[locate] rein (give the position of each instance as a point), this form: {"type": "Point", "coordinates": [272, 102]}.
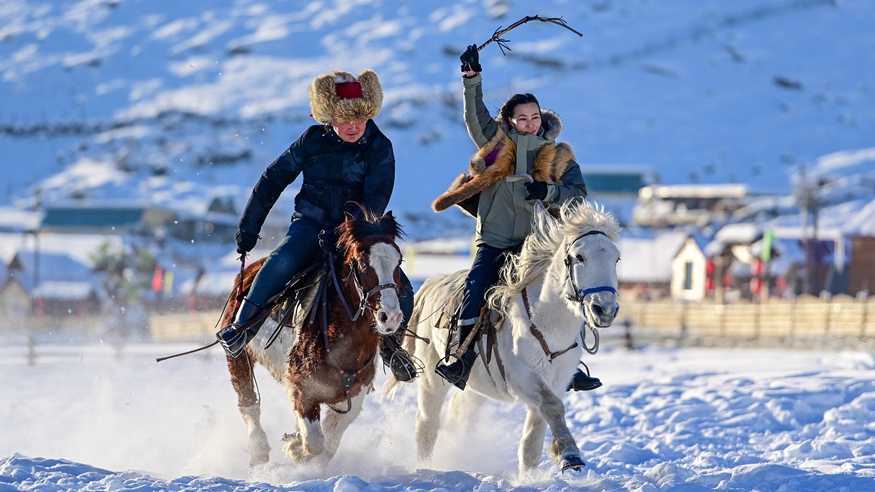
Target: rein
{"type": "Point", "coordinates": [239, 297]}
{"type": "Point", "coordinates": [542, 340]}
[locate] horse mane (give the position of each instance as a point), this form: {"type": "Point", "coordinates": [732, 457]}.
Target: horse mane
{"type": "Point", "coordinates": [354, 235]}
{"type": "Point", "coordinates": [548, 236]}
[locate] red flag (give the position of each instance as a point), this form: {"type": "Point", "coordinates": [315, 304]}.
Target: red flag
{"type": "Point", "coordinates": [158, 279]}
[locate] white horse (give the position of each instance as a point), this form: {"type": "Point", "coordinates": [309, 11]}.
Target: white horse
{"type": "Point", "coordinates": [566, 273]}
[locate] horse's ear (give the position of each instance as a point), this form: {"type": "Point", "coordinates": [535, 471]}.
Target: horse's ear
{"type": "Point", "coordinates": [348, 217]}
{"type": "Point", "coordinates": [388, 215]}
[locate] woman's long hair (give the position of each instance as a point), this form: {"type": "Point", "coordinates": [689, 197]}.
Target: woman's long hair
{"type": "Point", "coordinates": [506, 111]}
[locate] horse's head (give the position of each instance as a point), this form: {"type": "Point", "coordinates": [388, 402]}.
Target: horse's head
{"type": "Point", "coordinates": [591, 258]}
{"type": "Point", "coordinates": [374, 260]}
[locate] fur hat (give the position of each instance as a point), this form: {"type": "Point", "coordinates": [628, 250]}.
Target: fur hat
{"type": "Point", "coordinates": [341, 96]}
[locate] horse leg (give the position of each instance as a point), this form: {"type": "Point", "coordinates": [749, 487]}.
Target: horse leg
{"type": "Point", "coordinates": [532, 441]}
{"type": "Point", "coordinates": [552, 411]}
{"type": "Point", "coordinates": [308, 442]}
{"type": "Point", "coordinates": [432, 393]}
{"type": "Point", "coordinates": [335, 423]}
{"type": "Point", "coordinates": [250, 408]}
{"type": "Point", "coordinates": [463, 410]}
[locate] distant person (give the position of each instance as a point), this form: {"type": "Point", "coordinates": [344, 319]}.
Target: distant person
{"type": "Point", "coordinates": [518, 163]}
{"type": "Point", "coordinates": [345, 160]}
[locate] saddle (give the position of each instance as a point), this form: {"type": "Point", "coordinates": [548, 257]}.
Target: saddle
{"type": "Point", "coordinates": [294, 303]}
{"type": "Point", "coordinates": [485, 331]}
{"type": "Point", "coordinates": [307, 294]}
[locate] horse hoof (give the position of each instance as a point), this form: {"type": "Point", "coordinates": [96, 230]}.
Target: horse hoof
{"type": "Point", "coordinates": [571, 463]}
{"type": "Point", "coordinates": [259, 450]}
{"type": "Point", "coordinates": [259, 456]}
{"type": "Point", "coordinates": [258, 460]}
{"type": "Point", "coordinates": [294, 448]}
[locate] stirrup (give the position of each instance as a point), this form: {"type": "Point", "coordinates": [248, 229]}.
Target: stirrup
{"type": "Point", "coordinates": [459, 380]}
{"type": "Point", "coordinates": [403, 366]}
{"type": "Point", "coordinates": [234, 345]}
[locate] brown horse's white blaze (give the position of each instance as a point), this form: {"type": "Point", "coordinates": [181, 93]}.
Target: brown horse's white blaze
{"type": "Point", "coordinates": [326, 387]}
{"type": "Point", "coordinates": [385, 259]}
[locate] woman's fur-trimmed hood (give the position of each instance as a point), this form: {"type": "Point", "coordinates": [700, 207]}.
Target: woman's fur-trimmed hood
{"type": "Point", "coordinates": [326, 106]}
{"type": "Point", "coordinates": [497, 159]}
{"type": "Point", "coordinates": [552, 125]}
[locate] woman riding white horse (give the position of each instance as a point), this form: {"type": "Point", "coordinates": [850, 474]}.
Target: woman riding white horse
{"type": "Point", "coordinates": [518, 164]}
{"type": "Point", "coordinates": [564, 276]}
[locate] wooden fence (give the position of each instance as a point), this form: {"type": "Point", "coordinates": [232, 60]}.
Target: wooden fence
{"type": "Point", "coordinates": [811, 317]}
{"type": "Point", "coordinates": [181, 327]}
{"type": "Point", "coordinates": [33, 350]}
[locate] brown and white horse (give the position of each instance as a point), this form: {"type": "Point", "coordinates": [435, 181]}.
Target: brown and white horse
{"type": "Point", "coordinates": [338, 376]}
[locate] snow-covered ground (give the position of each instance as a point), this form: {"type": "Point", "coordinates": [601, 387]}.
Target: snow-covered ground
{"type": "Point", "coordinates": [667, 419]}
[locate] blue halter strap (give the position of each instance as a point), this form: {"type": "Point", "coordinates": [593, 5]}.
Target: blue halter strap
{"type": "Point", "coordinates": [593, 290]}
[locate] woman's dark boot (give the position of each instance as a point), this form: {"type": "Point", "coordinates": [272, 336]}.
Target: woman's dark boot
{"type": "Point", "coordinates": [457, 372]}
{"type": "Point", "coordinates": [235, 336]}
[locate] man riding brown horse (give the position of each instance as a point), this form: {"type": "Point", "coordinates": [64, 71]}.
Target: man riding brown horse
{"type": "Point", "coordinates": [343, 159]}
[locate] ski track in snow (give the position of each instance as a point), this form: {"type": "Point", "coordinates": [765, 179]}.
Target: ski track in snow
{"type": "Point", "coordinates": [667, 419]}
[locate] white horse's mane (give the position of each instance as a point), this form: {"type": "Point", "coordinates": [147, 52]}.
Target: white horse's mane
{"type": "Point", "coordinates": [548, 236]}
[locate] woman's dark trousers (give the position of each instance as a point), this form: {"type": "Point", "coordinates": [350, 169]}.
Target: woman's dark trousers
{"type": "Point", "coordinates": [483, 275]}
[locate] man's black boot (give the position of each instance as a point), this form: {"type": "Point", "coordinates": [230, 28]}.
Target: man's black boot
{"type": "Point", "coordinates": [396, 358]}
{"type": "Point", "coordinates": [457, 372]}
{"type": "Point", "coordinates": [235, 336]}
{"type": "Point", "coordinates": [582, 381]}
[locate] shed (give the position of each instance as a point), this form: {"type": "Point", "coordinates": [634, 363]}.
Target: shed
{"type": "Point", "coordinates": [689, 270]}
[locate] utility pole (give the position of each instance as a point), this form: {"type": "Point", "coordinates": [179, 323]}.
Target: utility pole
{"type": "Point", "coordinates": [807, 196]}
{"type": "Point", "coordinates": [36, 248]}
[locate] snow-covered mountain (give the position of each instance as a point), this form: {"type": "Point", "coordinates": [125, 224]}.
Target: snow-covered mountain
{"type": "Point", "coordinates": [178, 101]}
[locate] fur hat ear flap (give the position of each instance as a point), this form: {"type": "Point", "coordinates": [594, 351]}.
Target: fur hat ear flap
{"type": "Point", "coordinates": [326, 105]}
{"type": "Point", "coordinates": [323, 98]}
{"type": "Point", "coordinates": [373, 92]}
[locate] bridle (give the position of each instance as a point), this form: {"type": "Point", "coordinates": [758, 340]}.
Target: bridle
{"type": "Point", "coordinates": [579, 295]}
{"type": "Point", "coordinates": [365, 297]}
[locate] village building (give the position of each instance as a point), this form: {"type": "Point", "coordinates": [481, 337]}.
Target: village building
{"type": "Point", "coordinates": [104, 218]}
{"type": "Point", "coordinates": [616, 187]}
{"type": "Point", "coordinates": [688, 205]}
{"type": "Point", "coordinates": [49, 283]}
{"type": "Point", "coordinates": [645, 268]}
{"type": "Point", "coordinates": [689, 270]}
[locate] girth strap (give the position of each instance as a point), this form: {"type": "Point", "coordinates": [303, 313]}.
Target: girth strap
{"type": "Point", "coordinates": [540, 336]}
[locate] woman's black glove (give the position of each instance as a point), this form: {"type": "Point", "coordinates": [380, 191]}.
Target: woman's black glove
{"type": "Point", "coordinates": [536, 190]}
{"type": "Point", "coordinates": [245, 241]}
{"type": "Point", "coordinates": [471, 59]}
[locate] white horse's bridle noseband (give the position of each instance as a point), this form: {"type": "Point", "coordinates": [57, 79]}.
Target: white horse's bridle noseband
{"type": "Point", "coordinates": [580, 294]}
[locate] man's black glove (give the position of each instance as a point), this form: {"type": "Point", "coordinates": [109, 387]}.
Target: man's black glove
{"type": "Point", "coordinates": [471, 59]}
{"type": "Point", "coordinates": [353, 210]}
{"type": "Point", "coordinates": [245, 241]}
{"type": "Point", "coordinates": [536, 190]}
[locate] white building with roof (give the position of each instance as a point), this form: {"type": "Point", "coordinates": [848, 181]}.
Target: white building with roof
{"type": "Point", "coordinates": [645, 268]}
{"type": "Point", "coordinates": [688, 266]}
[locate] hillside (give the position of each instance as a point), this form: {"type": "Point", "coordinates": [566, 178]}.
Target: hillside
{"type": "Point", "coordinates": [109, 99]}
